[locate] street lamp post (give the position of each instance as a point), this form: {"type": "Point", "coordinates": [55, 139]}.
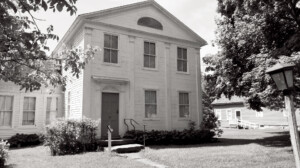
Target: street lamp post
{"type": "Point", "coordinates": [282, 75]}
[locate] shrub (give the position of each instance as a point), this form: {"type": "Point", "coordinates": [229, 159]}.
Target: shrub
{"type": "Point", "coordinates": [174, 137]}
{"type": "Point", "coordinates": [24, 140]}
{"type": "Point", "coordinates": [211, 122]}
{"type": "Point", "coordinates": [4, 146]}
{"type": "Point", "coordinates": [72, 136]}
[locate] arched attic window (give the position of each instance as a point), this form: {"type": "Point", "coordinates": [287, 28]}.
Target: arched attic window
{"type": "Point", "coordinates": [150, 22]}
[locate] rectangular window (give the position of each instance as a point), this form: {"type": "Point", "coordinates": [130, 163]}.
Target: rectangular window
{"type": "Point", "coordinates": [149, 55]}
{"type": "Point", "coordinates": [6, 109]}
{"type": "Point", "coordinates": [182, 59]}
{"type": "Point", "coordinates": [110, 48]}
{"type": "Point", "coordinates": [218, 114]}
{"type": "Point", "coordinates": [259, 114]}
{"type": "Point", "coordinates": [29, 111]}
{"type": "Point", "coordinates": [51, 109]}
{"type": "Point", "coordinates": [229, 114]}
{"type": "Point", "coordinates": [184, 109]}
{"type": "Point", "coordinates": [150, 103]}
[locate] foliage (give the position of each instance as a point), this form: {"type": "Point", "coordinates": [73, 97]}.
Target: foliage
{"type": "Point", "coordinates": [4, 146]}
{"type": "Point", "coordinates": [72, 136]}
{"type": "Point", "coordinates": [210, 120]}
{"type": "Point", "coordinates": [174, 137]}
{"type": "Point", "coordinates": [23, 59]}
{"type": "Point", "coordinates": [253, 35]}
{"type": "Point", "coordinates": [24, 140]}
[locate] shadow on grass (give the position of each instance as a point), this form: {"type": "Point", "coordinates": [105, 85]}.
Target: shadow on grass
{"type": "Point", "coordinates": [272, 139]}
{"type": "Point", "coordinates": [10, 166]}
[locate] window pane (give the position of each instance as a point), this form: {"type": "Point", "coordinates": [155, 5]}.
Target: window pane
{"type": "Point", "coordinates": [150, 111]}
{"type": "Point", "coordinates": [2, 103]}
{"type": "Point", "coordinates": [184, 66]}
{"type": "Point", "coordinates": [184, 53]}
{"type": "Point", "coordinates": [106, 55]}
{"type": "Point", "coordinates": [49, 99]}
{"type": "Point", "coordinates": [31, 103]}
{"type": "Point", "coordinates": [183, 111]}
{"type": "Point", "coordinates": [183, 98]}
{"type": "Point", "coordinates": [7, 118]}
{"type": "Point", "coordinates": [152, 62]}
{"type": "Point", "coordinates": [146, 61]}
{"type": "Point", "coordinates": [8, 103]}
{"type": "Point", "coordinates": [107, 41]}
{"type": "Point", "coordinates": [152, 48]}
{"type": "Point", "coordinates": [26, 103]}
{"type": "Point", "coordinates": [146, 47]}
{"type": "Point", "coordinates": [150, 97]}
{"type": "Point", "coordinates": [114, 42]}
{"type": "Point", "coordinates": [114, 56]}
{"type": "Point", "coordinates": [179, 53]}
{"type": "Point", "coordinates": [179, 65]}
{"type": "Point", "coordinates": [28, 118]}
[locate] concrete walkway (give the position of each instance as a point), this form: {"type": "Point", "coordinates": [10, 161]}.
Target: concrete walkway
{"type": "Point", "coordinates": [138, 157]}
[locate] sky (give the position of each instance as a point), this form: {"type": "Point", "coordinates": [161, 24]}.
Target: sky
{"type": "Point", "coordinates": [199, 15]}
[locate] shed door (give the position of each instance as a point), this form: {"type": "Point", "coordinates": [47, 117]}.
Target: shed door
{"type": "Point", "coordinates": [110, 114]}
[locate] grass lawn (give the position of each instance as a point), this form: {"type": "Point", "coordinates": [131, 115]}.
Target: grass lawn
{"type": "Point", "coordinates": [39, 157]}
{"type": "Point", "coordinates": [237, 148]}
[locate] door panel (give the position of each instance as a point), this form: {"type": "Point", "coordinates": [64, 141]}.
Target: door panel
{"type": "Point", "coordinates": [110, 114]}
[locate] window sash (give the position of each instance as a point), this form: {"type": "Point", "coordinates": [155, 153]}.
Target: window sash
{"type": "Point", "coordinates": [150, 104]}
{"type": "Point", "coordinates": [29, 111]}
{"type": "Point", "coordinates": [184, 110]}
{"type": "Point", "coordinates": [182, 59]}
{"type": "Point", "coordinates": [110, 48]}
{"type": "Point", "coordinates": [149, 54]}
{"type": "Point", "coordinates": [6, 110]}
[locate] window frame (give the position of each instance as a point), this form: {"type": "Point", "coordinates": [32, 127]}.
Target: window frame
{"type": "Point", "coordinates": [110, 49]}
{"type": "Point", "coordinates": [34, 111]}
{"type": "Point", "coordinates": [182, 60]}
{"type": "Point", "coordinates": [229, 111]}
{"type": "Point", "coordinates": [11, 111]}
{"type": "Point", "coordinates": [218, 113]}
{"type": "Point", "coordinates": [53, 99]}
{"type": "Point", "coordinates": [150, 55]}
{"type": "Point", "coordinates": [180, 105]}
{"type": "Point", "coordinates": [259, 114]}
{"type": "Point", "coordinates": [151, 104]}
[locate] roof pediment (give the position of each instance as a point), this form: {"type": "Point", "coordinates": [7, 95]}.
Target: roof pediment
{"type": "Point", "coordinates": [129, 16]}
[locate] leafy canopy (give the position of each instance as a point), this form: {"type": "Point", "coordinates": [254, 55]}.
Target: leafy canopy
{"type": "Point", "coordinates": [254, 35]}
{"type": "Point", "coordinates": [23, 59]}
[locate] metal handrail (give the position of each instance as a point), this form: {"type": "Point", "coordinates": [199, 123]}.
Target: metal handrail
{"type": "Point", "coordinates": [132, 120]}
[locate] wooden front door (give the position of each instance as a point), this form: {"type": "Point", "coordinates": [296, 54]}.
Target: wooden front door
{"type": "Point", "coordinates": [110, 114]}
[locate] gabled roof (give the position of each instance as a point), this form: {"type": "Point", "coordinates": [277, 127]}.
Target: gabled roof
{"type": "Point", "coordinates": [223, 100]}
{"type": "Point", "coordinates": [83, 17]}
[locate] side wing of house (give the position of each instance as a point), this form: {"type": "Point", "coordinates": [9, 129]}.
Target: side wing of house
{"type": "Point", "coordinates": [27, 112]}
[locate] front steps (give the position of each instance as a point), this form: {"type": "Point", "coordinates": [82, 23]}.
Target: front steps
{"type": "Point", "coordinates": [121, 145]}
{"type": "Point", "coordinates": [129, 148]}
{"type": "Point", "coordinates": [115, 142]}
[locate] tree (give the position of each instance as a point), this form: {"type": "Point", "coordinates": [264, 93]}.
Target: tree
{"type": "Point", "coordinates": [254, 35]}
{"type": "Point", "coordinates": [23, 59]}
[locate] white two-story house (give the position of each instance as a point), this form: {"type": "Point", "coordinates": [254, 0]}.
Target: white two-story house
{"type": "Point", "coordinates": [148, 69]}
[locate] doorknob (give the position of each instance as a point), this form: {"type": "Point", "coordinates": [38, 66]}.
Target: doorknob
{"type": "Point", "coordinates": [117, 111]}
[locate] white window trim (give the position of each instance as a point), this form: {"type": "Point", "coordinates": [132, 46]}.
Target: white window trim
{"type": "Point", "coordinates": [118, 50]}
{"type": "Point", "coordinates": [156, 118]}
{"type": "Point", "coordinates": [22, 111]}
{"type": "Point", "coordinates": [156, 57]}
{"type": "Point", "coordinates": [259, 114]}
{"type": "Point", "coordinates": [240, 113]}
{"type": "Point", "coordinates": [12, 115]}
{"type": "Point", "coordinates": [227, 114]}
{"type": "Point", "coordinates": [189, 96]}
{"type": "Point", "coordinates": [218, 113]}
{"type": "Point", "coordinates": [187, 61]}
